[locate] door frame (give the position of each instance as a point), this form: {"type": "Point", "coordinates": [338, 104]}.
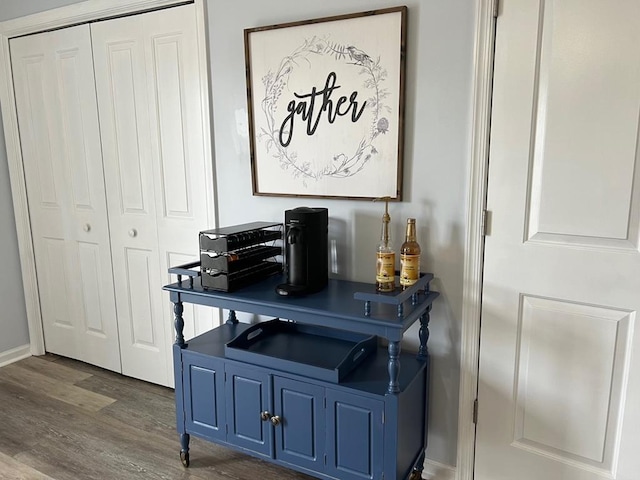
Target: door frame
{"type": "Point", "coordinates": [487, 12]}
{"type": "Point", "coordinates": [83, 12]}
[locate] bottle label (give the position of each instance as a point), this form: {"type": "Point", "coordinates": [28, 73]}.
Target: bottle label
{"type": "Point", "coordinates": [385, 268]}
{"type": "Point", "coordinates": [409, 269]}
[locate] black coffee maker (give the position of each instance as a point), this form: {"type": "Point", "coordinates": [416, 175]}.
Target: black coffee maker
{"type": "Point", "coordinates": [305, 254]}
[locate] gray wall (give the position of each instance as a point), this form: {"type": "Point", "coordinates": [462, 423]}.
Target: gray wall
{"type": "Point", "coordinates": [13, 319]}
{"type": "Point", "coordinates": [437, 137]}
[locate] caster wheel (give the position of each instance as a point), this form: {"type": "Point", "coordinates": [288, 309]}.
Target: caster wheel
{"type": "Point", "coordinates": [415, 475]}
{"type": "Point", "coordinates": [184, 458]}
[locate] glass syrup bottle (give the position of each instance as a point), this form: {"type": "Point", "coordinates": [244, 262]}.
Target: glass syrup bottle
{"type": "Point", "coordinates": [385, 256]}
{"type": "Point", "coordinates": [409, 257]}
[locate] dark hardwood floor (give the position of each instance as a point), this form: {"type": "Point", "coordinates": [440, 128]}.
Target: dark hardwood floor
{"type": "Point", "coordinates": [66, 420]}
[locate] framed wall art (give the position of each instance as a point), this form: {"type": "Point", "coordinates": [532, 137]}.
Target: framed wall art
{"type": "Point", "coordinates": [326, 106]}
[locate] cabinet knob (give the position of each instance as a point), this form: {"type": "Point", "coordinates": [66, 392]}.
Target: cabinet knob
{"type": "Point", "coordinates": [275, 420]}
{"type": "Point", "coordinates": [133, 233]}
{"type": "Point", "coordinates": [265, 416]}
{"type": "Point", "coordinates": [86, 227]}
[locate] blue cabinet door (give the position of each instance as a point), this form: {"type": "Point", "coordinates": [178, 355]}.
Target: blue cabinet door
{"type": "Point", "coordinates": [300, 431]}
{"type": "Point", "coordinates": [247, 397]}
{"type": "Point", "coordinates": [203, 380]}
{"type": "Point", "coordinates": [355, 434]}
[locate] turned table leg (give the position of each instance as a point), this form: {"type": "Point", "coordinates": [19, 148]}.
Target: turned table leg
{"type": "Point", "coordinates": [394, 367]}
{"type": "Point", "coordinates": [179, 323]}
{"type": "Point", "coordinates": [232, 319]}
{"type": "Point", "coordinates": [416, 474]}
{"type": "Point", "coordinates": [184, 449]}
{"type": "Point", "coordinates": [423, 351]}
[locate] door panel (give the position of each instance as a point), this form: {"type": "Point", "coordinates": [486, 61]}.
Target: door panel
{"type": "Point", "coordinates": [150, 98]}
{"type": "Point", "coordinates": [175, 181]}
{"type": "Point", "coordinates": [578, 122]}
{"type": "Point", "coordinates": [33, 96]}
{"type": "Point", "coordinates": [140, 298]}
{"type": "Point", "coordinates": [127, 106]}
{"type": "Point", "coordinates": [54, 281]}
{"type": "Point", "coordinates": [77, 154]}
{"type": "Point", "coordinates": [354, 436]}
{"type": "Point", "coordinates": [57, 115]}
{"type": "Point", "coordinates": [558, 376]}
{"type": "Point", "coordinates": [205, 412]}
{"type": "Point", "coordinates": [90, 275]}
{"type": "Point", "coordinates": [301, 434]}
{"type": "Point", "coordinates": [591, 343]}
{"type": "Point", "coordinates": [181, 182]}
{"type": "Point", "coordinates": [118, 48]}
{"type": "Point", "coordinates": [181, 179]}
{"type": "Point", "coordinates": [247, 396]}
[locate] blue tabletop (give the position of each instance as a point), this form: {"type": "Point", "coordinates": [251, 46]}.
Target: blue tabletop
{"type": "Point", "coordinates": [334, 306]}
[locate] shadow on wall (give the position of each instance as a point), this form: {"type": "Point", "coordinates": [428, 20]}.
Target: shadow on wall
{"type": "Point", "coordinates": [443, 255]}
{"type": "Point", "coordinates": [445, 340]}
{"type": "Point", "coordinates": [339, 249]}
{"type": "Point", "coordinates": [13, 322]}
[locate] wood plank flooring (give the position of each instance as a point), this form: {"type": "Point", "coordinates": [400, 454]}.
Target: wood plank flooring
{"type": "Point", "coordinates": [66, 420]}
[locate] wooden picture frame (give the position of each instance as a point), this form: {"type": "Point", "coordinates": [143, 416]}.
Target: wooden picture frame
{"type": "Point", "coordinates": [326, 106]}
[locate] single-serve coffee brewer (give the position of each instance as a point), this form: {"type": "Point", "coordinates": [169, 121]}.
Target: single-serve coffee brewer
{"type": "Point", "coordinates": [305, 251]}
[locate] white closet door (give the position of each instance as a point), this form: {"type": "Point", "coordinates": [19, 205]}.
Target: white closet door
{"type": "Point", "coordinates": [57, 114]}
{"type": "Point", "coordinates": [183, 179]}
{"type": "Point", "coordinates": [149, 96]}
{"type": "Point", "coordinates": [559, 383]}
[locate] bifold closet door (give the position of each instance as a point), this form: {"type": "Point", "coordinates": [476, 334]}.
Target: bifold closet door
{"type": "Point", "coordinates": [60, 140]}
{"type": "Point", "coordinates": [150, 102]}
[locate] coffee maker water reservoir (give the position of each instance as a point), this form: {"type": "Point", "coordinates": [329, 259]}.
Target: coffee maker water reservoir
{"type": "Point", "coordinates": [306, 256]}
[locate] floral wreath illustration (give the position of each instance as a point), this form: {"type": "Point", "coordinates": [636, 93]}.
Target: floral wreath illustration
{"type": "Point", "coordinates": [343, 165]}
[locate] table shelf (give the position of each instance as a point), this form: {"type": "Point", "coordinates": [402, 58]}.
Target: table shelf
{"type": "Point", "coordinates": [323, 371]}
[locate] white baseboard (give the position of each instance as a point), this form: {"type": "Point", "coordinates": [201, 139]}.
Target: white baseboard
{"type": "Point", "coordinates": [438, 471]}
{"type": "Point", "coordinates": [14, 355]}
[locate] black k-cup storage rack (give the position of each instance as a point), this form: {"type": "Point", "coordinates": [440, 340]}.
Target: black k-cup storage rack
{"type": "Point", "coordinates": [232, 257]}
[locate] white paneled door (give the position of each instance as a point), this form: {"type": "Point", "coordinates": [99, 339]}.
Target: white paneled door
{"type": "Point", "coordinates": [60, 140]}
{"type": "Point", "coordinates": [150, 100]}
{"type": "Point", "coordinates": [113, 128]}
{"type": "Point", "coordinates": [560, 348]}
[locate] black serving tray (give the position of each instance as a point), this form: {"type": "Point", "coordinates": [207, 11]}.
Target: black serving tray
{"type": "Point", "coordinates": [318, 352]}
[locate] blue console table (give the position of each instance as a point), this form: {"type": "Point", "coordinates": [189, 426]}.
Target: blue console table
{"type": "Point", "coordinates": [371, 424]}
